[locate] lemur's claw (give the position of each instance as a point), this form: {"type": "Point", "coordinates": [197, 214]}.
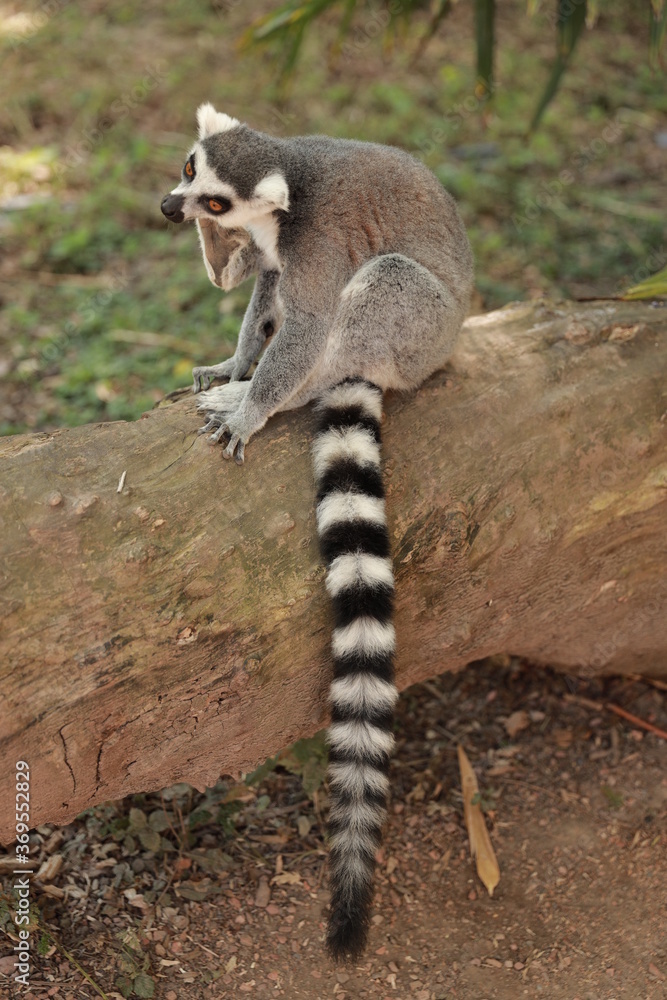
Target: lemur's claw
{"type": "Point", "coordinates": [201, 381]}
{"type": "Point", "coordinates": [221, 431]}
{"type": "Point", "coordinates": [234, 442]}
{"type": "Point", "coordinates": [212, 422]}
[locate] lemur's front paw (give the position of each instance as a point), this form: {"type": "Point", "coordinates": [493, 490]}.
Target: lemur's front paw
{"type": "Point", "coordinates": [205, 374]}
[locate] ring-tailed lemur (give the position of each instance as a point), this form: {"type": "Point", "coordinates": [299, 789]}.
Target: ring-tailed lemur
{"type": "Point", "coordinates": [364, 274]}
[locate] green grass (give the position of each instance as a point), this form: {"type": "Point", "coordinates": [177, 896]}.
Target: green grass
{"type": "Point", "coordinates": [106, 308]}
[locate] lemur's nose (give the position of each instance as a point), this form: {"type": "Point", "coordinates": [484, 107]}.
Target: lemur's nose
{"type": "Point", "coordinates": [172, 207]}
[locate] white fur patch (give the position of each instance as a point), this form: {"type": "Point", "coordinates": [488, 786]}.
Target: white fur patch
{"type": "Point", "coordinates": [354, 443]}
{"type": "Point", "coordinates": [357, 779]}
{"type": "Point", "coordinates": [355, 394]}
{"type": "Point", "coordinates": [223, 398]}
{"type": "Point", "coordinates": [360, 738]}
{"type": "Point", "coordinates": [346, 506]}
{"type": "Point", "coordinates": [272, 191]}
{"type": "Point", "coordinates": [364, 636]}
{"type": "Point", "coordinates": [211, 121]}
{"type": "Point", "coordinates": [355, 568]}
{"type": "Point", "coordinates": [358, 815]}
{"type": "Point", "coordinates": [364, 692]}
{"type": "Point", "coordinates": [264, 232]}
{"type": "Point", "coordinates": [353, 846]}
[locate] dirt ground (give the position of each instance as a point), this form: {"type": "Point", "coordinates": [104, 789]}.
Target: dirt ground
{"type": "Point", "coordinates": [576, 801]}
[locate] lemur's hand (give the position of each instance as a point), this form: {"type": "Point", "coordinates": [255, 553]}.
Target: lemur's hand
{"type": "Point", "coordinates": [204, 375]}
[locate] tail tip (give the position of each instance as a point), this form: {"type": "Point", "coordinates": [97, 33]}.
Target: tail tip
{"type": "Point", "coordinates": [346, 939]}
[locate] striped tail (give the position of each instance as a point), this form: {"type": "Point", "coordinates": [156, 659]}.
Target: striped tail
{"type": "Point", "coordinates": [354, 540]}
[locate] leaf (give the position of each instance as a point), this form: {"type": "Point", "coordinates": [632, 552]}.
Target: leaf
{"type": "Point", "coordinates": [478, 835]}
{"type": "Point", "coordinates": [653, 288]}
{"type": "Point", "coordinates": [286, 878]}
{"type": "Point", "coordinates": [150, 839]}
{"type": "Point", "coordinates": [571, 20]}
{"type": "Point", "coordinates": [658, 32]}
{"type": "Point", "coordinates": [516, 722]}
{"type": "Point", "coordinates": [137, 819]}
{"type": "Point", "coordinates": [143, 985]}
{"type": "Point", "coordinates": [485, 17]}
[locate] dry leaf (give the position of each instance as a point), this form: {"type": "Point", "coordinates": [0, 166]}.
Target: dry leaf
{"type": "Point", "coordinates": [480, 842]}
{"type": "Point", "coordinates": [286, 878]}
{"type": "Point", "coordinates": [516, 722]}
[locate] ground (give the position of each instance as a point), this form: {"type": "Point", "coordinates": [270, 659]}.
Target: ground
{"type": "Point", "coordinates": [226, 895]}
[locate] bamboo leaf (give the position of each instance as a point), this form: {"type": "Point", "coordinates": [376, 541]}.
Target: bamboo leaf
{"type": "Point", "coordinates": [485, 16]}
{"type": "Point", "coordinates": [657, 32]}
{"type": "Point", "coordinates": [480, 842]}
{"type": "Point", "coordinates": [443, 8]}
{"type": "Point", "coordinates": [653, 288]}
{"type": "Point", "coordinates": [571, 20]}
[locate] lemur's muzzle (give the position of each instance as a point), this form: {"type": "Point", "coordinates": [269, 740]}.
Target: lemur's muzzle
{"type": "Point", "coordinates": [172, 207]}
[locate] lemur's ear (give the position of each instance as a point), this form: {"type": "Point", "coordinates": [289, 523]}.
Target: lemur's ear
{"type": "Point", "coordinates": [230, 255]}
{"type": "Point", "coordinates": [210, 121]}
{"type": "Point", "coordinates": [272, 192]}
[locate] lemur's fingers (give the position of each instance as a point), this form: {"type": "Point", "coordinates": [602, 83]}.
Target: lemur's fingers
{"type": "Point", "coordinates": [212, 422]}
{"type": "Point", "coordinates": [221, 431]}
{"type": "Point", "coordinates": [234, 443]}
{"type": "Point", "coordinates": [201, 379]}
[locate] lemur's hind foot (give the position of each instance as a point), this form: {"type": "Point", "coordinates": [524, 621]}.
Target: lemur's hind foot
{"type": "Point", "coordinates": [221, 406]}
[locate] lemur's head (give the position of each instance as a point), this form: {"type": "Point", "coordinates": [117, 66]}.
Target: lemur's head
{"type": "Point", "coordinates": [232, 175]}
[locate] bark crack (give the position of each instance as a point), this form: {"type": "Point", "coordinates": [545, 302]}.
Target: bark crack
{"type": "Point", "coordinates": [69, 766]}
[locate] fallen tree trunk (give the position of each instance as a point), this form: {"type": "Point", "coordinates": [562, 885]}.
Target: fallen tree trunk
{"type": "Point", "coordinates": [179, 629]}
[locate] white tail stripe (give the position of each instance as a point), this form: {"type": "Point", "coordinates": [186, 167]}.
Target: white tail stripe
{"type": "Point", "coordinates": [364, 636]}
{"type": "Point", "coordinates": [354, 443]}
{"type": "Point", "coordinates": [358, 815]}
{"type": "Point", "coordinates": [364, 692]}
{"type": "Point", "coordinates": [360, 738]}
{"type": "Point", "coordinates": [351, 842]}
{"type": "Point", "coordinates": [355, 394]}
{"type": "Point", "coordinates": [342, 505]}
{"type": "Point", "coordinates": [358, 568]}
{"type": "Point", "coordinates": [357, 779]}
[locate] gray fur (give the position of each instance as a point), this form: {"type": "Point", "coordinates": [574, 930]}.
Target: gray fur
{"type": "Point", "coordinates": [370, 275]}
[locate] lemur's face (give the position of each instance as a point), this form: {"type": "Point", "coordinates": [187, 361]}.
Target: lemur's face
{"type": "Point", "coordinates": [206, 190]}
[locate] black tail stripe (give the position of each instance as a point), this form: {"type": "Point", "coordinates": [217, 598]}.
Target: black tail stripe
{"type": "Point", "coordinates": [373, 602]}
{"type": "Point", "coordinates": [346, 799]}
{"type": "Point", "coordinates": [379, 760]}
{"type": "Point", "coordinates": [346, 474]}
{"type": "Point", "coordinates": [378, 664]}
{"type": "Point", "coordinates": [354, 536]}
{"type": "Point", "coordinates": [380, 718]}
{"type": "Point", "coordinates": [349, 416]}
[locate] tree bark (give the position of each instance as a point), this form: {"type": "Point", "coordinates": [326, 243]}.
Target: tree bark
{"type": "Point", "coordinates": [179, 629]}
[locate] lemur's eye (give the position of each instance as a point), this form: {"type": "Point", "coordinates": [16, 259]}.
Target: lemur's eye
{"type": "Point", "coordinates": [214, 205]}
{"type": "Point", "coordinates": [188, 169]}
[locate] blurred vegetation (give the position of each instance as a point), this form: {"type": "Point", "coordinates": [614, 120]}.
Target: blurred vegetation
{"type": "Point", "coordinates": [287, 25]}
{"type": "Point", "coordinates": [106, 307]}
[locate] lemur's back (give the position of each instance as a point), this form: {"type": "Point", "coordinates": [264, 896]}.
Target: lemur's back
{"type": "Point", "coordinates": [370, 200]}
